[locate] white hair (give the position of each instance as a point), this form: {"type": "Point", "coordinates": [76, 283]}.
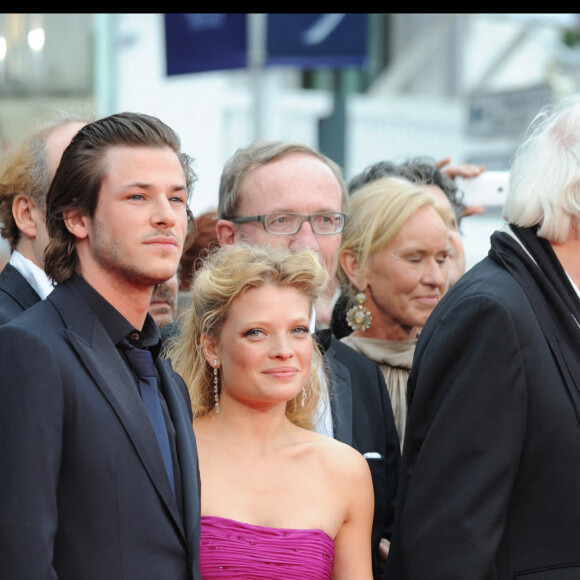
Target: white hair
{"type": "Point", "coordinates": [545, 175]}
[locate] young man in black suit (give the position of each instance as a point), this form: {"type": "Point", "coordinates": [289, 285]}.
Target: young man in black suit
{"type": "Point", "coordinates": [99, 475]}
{"type": "Point", "coordinates": [491, 459]}
{"type": "Point", "coordinates": [25, 175]}
{"type": "Point", "coordinates": [286, 193]}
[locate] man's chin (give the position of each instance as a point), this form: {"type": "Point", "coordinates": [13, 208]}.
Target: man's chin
{"type": "Point", "coordinates": [162, 318]}
{"type": "Point", "coordinates": [163, 322]}
{"type": "Point", "coordinates": [161, 309]}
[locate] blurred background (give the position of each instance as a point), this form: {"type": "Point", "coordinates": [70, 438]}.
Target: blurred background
{"type": "Point", "coordinates": [359, 87]}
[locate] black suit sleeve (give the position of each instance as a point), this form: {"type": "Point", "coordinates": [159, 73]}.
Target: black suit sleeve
{"type": "Point", "coordinates": [30, 446]}
{"type": "Point", "coordinates": [465, 433]}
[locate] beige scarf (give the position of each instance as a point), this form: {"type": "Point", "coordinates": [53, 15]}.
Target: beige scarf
{"type": "Point", "coordinates": [394, 357]}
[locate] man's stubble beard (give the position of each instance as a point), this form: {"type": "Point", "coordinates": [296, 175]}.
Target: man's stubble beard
{"type": "Point", "coordinates": [110, 258]}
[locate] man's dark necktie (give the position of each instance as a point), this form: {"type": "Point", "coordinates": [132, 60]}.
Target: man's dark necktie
{"type": "Point", "coordinates": [142, 362]}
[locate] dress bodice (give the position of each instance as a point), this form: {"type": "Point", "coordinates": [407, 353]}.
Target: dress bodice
{"type": "Point", "coordinates": [234, 550]}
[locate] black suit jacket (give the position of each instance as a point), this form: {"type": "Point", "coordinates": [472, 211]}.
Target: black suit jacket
{"type": "Point", "coordinates": [84, 493]}
{"type": "Point", "coordinates": [363, 418]}
{"type": "Point", "coordinates": [16, 294]}
{"type": "Point", "coordinates": [490, 476]}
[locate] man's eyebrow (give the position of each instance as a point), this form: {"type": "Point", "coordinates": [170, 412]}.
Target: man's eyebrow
{"type": "Point", "coordinates": [145, 185]}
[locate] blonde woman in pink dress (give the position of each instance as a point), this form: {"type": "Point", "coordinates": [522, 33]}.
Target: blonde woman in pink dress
{"type": "Point", "coordinates": [278, 500]}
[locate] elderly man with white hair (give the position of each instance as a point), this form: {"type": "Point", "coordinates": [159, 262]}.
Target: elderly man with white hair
{"type": "Point", "coordinates": [491, 462]}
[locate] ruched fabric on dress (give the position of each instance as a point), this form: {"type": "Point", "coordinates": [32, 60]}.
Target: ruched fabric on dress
{"type": "Point", "coordinates": [235, 550]}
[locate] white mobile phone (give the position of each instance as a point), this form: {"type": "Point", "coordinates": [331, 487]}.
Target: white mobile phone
{"type": "Point", "coordinates": [489, 189]}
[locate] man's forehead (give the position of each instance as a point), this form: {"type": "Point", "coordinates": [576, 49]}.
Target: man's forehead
{"type": "Point", "coordinates": [123, 156]}
{"type": "Point", "coordinates": [289, 183]}
{"type": "Point", "coordinates": [120, 150]}
{"type": "Point", "coordinates": [287, 165]}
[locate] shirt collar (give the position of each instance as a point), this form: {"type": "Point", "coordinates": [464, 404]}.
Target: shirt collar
{"type": "Point", "coordinates": [506, 228]}
{"type": "Point", "coordinates": [34, 275]}
{"type": "Point", "coordinates": [116, 325]}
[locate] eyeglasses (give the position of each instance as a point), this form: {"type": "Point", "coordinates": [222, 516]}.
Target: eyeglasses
{"type": "Point", "coordinates": [287, 224]}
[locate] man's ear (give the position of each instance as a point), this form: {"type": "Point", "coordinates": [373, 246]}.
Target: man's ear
{"type": "Point", "coordinates": [350, 266]}
{"type": "Point", "coordinates": [77, 223]}
{"type": "Point", "coordinates": [226, 232]}
{"type": "Point", "coordinates": [22, 210]}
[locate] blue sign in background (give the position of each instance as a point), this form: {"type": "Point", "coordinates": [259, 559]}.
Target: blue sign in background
{"type": "Point", "coordinates": [313, 40]}
{"type": "Point", "coordinates": [205, 42]}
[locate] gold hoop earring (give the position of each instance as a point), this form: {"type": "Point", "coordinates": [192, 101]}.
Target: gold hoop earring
{"type": "Point", "coordinates": [358, 317]}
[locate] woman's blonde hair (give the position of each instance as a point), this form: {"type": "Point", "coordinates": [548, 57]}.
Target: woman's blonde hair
{"type": "Point", "coordinates": [376, 214]}
{"type": "Point", "coordinates": [224, 275]}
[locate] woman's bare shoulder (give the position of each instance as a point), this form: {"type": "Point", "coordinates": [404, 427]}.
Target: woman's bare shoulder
{"type": "Point", "coordinates": [339, 458]}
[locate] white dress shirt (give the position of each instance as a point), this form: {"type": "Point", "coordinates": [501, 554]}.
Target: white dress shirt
{"type": "Point", "coordinates": [34, 275]}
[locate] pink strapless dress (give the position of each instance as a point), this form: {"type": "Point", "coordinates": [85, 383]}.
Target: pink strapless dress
{"type": "Point", "coordinates": [231, 549]}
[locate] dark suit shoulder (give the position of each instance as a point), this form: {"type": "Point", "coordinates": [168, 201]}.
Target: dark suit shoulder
{"type": "Point", "coordinates": [486, 285]}
{"type": "Point", "coordinates": [351, 358]}
{"type": "Point", "coordinates": [40, 313]}
{"type": "Point", "coordinates": [16, 294]}
{"type": "Point", "coordinates": [9, 308]}
{"type": "Point", "coordinates": [486, 277]}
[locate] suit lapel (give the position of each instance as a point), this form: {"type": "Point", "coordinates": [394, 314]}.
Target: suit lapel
{"type": "Point", "coordinates": [105, 366]}
{"type": "Point", "coordinates": [340, 397]}
{"type": "Point", "coordinates": [186, 455]}
{"type": "Point", "coordinates": [567, 358]}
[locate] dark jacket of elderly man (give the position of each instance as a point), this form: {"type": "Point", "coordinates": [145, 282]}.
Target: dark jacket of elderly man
{"type": "Point", "coordinates": [490, 477]}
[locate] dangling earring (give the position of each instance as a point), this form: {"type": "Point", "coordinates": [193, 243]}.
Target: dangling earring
{"type": "Point", "coordinates": [304, 395]}
{"type": "Point", "coordinates": [215, 386]}
{"type": "Point", "coordinates": [358, 317]}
